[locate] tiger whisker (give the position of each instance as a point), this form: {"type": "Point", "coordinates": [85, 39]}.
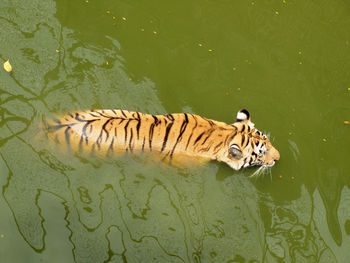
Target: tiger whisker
{"type": "Point", "coordinates": [262, 171]}
{"type": "Point", "coordinates": [257, 172]}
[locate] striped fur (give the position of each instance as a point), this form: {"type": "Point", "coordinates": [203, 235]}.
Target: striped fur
{"type": "Point", "coordinates": [170, 135]}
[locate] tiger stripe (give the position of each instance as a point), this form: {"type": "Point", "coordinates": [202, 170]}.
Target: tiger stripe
{"type": "Point", "coordinates": [170, 135]}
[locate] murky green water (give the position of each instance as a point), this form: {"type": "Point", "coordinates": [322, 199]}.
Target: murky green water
{"type": "Point", "coordinates": [287, 62]}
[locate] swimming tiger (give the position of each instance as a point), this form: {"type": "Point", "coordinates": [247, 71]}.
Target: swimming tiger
{"type": "Point", "coordinates": [182, 134]}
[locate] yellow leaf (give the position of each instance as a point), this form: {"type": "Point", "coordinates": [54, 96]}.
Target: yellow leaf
{"type": "Point", "coordinates": [347, 122]}
{"type": "Point", "coordinates": [7, 66]}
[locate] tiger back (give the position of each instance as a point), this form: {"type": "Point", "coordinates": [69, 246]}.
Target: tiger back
{"type": "Point", "coordinates": [169, 136]}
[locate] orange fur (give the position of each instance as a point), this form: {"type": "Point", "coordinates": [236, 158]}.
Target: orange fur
{"type": "Point", "coordinates": [172, 136]}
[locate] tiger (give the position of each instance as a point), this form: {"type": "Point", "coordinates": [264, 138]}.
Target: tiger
{"type": "Point", "coordinates": [111, 131]}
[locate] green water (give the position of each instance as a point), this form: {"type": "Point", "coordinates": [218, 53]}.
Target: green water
{"type": "Point", "coordinates": [287, 62]}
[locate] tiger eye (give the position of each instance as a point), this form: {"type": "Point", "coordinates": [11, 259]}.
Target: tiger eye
{"type": "Point", "coordinates": [235, 152]}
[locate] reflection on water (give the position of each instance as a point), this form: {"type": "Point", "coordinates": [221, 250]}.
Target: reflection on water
{"type": "Point", "coordinates": [71, 209]}
{"type": "Point", "coordinates": [126, 211]}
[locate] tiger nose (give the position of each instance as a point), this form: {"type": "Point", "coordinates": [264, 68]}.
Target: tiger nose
{"type": "Point", "coordinates": [276, 155]}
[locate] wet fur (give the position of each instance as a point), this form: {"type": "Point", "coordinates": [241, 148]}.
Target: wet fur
{"type": "Point", "coordinates": [169, 135]}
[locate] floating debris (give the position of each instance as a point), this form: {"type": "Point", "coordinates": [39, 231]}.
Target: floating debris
{"type": "Point", "coordinates": [108, 12]}
{"type": "Point", "coordinates": [7, 66]}
{"type": "Point", "coordinates": [324, 139]}
{"type": "Point", "coordinates": [348, 89]}
{"type": "Point", "coordinates": [124, 18]}
{"type": "Point", "coordinates": [347, 122]}
{"type": "Point", "coordinates": [280, 176]}
{"type": "Point", "coordinates": [199, 44]}
{"type": "Point", "coordinates": [210, 50]}
{"type": "Point", "coordinates": [114, 17]}
{"type": "Point", "coordinates": [57, 51]}
{"type": "Point", "coordinates": [107, 63]}
{"type": "Point", "coordinates": [142, 29]}
{"type": "Point", "coordinates": [155, 32]}
{"type": "Point", "coordinates": [277, 13]}
{"type": "Point", "coordinates": [284, 1]}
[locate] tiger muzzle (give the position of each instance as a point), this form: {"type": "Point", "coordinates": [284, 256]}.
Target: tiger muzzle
{"type": "Point", "coordinates": [275, 155]}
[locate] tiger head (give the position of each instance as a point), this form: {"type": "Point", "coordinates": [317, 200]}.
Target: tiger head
{"type": "Point", "coordinates": [249, 146]}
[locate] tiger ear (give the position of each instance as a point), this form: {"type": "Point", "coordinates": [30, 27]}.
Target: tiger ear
{"type": "Point", "coordinates": [244, 116]}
